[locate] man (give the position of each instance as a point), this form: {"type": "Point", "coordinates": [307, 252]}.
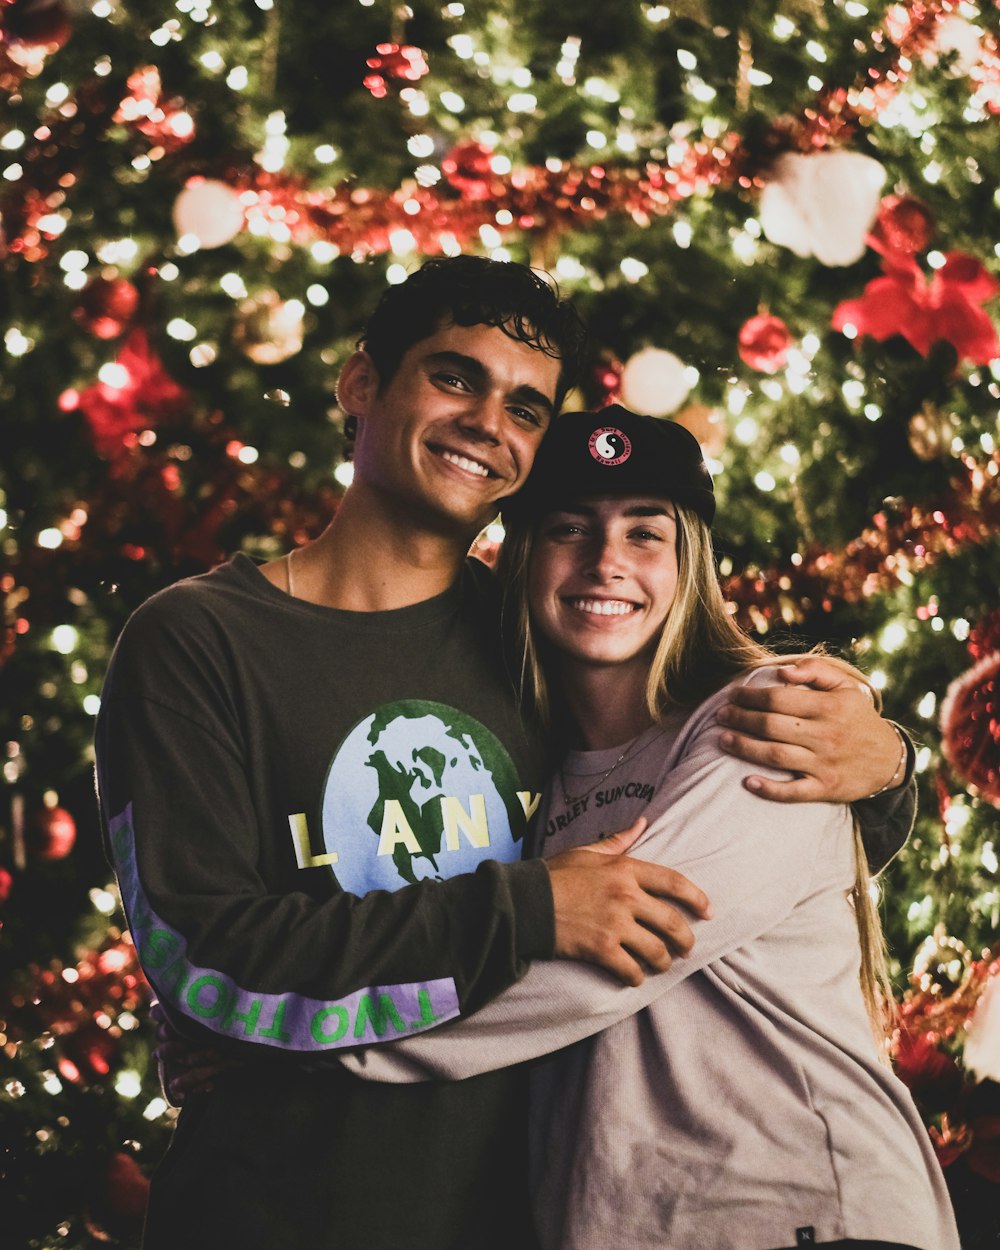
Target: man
{"type": "Point", "coordinates": [316, 790]}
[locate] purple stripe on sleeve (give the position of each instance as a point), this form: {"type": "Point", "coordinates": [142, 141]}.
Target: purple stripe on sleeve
{"type": "Point", "coordinates": [290, 1021]}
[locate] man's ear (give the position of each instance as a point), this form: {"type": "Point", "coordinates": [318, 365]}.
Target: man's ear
{"type": "Point", "coordinates": [358, 384]}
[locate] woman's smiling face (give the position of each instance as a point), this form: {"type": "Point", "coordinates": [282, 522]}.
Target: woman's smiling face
{"type": "Point", "coordinates": [602, 578]}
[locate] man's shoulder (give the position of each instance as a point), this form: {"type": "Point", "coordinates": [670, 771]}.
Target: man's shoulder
{"type": "Point", "coordinates": [482, 600]}
{"type": "Point", "coordinates": [483, 585]}
{"type": "Point", "coordinates": [189, 606]}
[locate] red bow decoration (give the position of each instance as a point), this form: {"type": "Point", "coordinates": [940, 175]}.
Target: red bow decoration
{"type": "Point", "coordinates": [925, 312]}
{"type": "Point", "coordinates": [932, 1076]}
{"type": "Point", "coordinates": [147, 395]}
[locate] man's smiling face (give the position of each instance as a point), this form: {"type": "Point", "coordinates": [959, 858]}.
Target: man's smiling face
{"type": "Point", "coordinates": [456, 428]}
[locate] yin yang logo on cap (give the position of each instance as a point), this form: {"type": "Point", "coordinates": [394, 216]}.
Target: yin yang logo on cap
{"type": "Point", "coordinates": [610, 446]}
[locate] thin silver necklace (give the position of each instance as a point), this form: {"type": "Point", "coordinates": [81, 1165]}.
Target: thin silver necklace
{"type": "Point", "coordinates": [631, 749]}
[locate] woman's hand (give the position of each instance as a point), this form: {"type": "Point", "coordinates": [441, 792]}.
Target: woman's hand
{"type": "Point", "coordinates": [184, 1067]}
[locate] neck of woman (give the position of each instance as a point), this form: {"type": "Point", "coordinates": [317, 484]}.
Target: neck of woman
{"type": "Point", "coordinates": [606, 703]}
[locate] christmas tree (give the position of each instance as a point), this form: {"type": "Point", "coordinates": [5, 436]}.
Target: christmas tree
{"type": "Point", "coordinates": [781, 224]}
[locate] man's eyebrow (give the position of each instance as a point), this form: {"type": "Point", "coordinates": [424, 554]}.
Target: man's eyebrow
{"type": "Point", "coordinates": [475, 368]}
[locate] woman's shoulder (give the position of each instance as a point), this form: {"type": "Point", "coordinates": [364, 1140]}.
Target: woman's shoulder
{"type": "Point", "coordinates": [767, 673]}
{"type": "Point", "coordinates": [704, 715]}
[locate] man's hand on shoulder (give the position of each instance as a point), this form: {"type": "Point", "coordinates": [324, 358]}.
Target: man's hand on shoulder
{"type": "Point", "coordinates": [822, 725]}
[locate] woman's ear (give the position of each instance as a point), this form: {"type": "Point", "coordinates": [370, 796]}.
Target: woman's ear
{"type": "Point", "coordinates": [358, 384]}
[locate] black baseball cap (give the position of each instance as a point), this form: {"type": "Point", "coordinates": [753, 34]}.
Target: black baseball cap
{"type": "Point", "coordinates": [613, 452]}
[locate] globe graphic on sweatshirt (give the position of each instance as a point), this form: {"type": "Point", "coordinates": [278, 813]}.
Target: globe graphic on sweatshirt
{"type": "Point", "coordinates": [419, 790]}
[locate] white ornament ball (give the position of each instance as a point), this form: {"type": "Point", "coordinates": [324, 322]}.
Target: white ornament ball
{"type": "Point", "coordinates": [654, 382]}
{"type": "Point", "coordinates": [981, 1054]}
{"type": "Point", "coordinates": [210, 211]}
{"type": "Point", "coordinates": [822, 204]}
{"type": "Point", "coordinates": [955, 34]}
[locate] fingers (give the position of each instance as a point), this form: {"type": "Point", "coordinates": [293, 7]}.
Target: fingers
{"type": "Point", "coordinates": [618, 843]}
{"type": "Point", "coordinates": [834, 737]}
{"type": "Point", "coordinates": [165, 1031]}
{"type": "Point", "coordinates": [630, 951]}
{"type": "Point", "coordinates": [652, 952]}
{"type": "Point", "coordinates": [643, 950]}
{"type": "Point", "coordinates": [661, 882]}
{"type": "Point", "coordinates": [823, 723]}
{"type": "Point", "coordinates": [810, 778]}
{"type": "Point", "coordinates": [822, 673]}
{"type": "Point", "coordinates": [794, 790]}
{"type": "Point", "coordinates": [612, 910]}
{"type": "Point", "coordinates": [821, 717]}
{"type": "Point", "coordinates": [184, 1071]}
{"type": "Point", "coordinates": [790, 724]}
{"type": "Point", "coordinates": [649, 942]}
{"type": "Point", "coordinates": [749, 703]}
{"type": "Point", "coordinates": [182, 1055]}
{"type": "Point", "coordinates": [769, 752]}
{"type": "Point", "coordinates": [664, 935]}
{"type": "Point", "coordinates": [193, 1081]}
{"type": "Point", "coordinates": [619, 961]}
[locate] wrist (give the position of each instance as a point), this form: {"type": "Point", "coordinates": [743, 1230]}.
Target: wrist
{"type": "Point", "coordinates": [899, 772]}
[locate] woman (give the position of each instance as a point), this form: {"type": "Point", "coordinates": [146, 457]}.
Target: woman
{"type": "Point", "coordinates": [739, 1100]}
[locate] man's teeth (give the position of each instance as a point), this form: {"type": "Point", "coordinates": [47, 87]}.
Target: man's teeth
{"type": "Point", "coordinates": [603, 607]}
{"type": "Point", "coordinates": [463, 462]}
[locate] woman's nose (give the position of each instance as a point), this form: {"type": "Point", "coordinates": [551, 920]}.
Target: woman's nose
{"type": "Point", "coordinates": [605, 563]}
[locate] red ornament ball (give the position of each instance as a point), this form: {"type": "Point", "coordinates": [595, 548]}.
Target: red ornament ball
{"type": "Point", "coordinates": [970, 727]}
{"type": "Point", "coordinates": [55, 833]}
{"type": "Point", "coordinates": [469, 169]}
{"type": "Point", "coordinates": [904, 225]}
{"type": "Point", "coordinates": [764, 343]}
{"type": "Point", "coordinates": [6, 885]}
{"type": "Point", "coordinates": [117, 1200]}
{"type": "Point", "coordinates": [399, 61]}
{"type": "Point", "coordinates": [36, 23]}
{"type": "Point", "coordinates": [106, 306]}
{"type": "Point", "coordinates": [929, 1073]}
{"type": "Point", "coordinates": [985, 636]}
{"type": "Point", "coordinates": [608, 379]}
{"type": "Point", "coordinates": [126, 1187]}
{"type": "Point", "coordinates": [393, 60]}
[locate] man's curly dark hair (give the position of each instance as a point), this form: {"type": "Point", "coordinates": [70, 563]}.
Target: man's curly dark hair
{"type": "Point", "coordinates": [471, 291]}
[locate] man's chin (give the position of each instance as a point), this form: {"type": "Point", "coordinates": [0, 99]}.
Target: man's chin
{"type": "Point", "coordinates": [462, 525]}
{"type": "Point", "coordinates": [474, 515]}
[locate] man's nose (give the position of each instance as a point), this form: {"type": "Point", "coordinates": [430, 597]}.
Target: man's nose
{"type": "Point", "coordinates": [484, 419]}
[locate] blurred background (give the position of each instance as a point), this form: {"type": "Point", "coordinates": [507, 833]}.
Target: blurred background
{"type": "Point", "coordinates": [782, 223]}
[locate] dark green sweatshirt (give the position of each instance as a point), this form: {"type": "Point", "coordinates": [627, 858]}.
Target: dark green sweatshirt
{"type": "Point", "coordinates": [317, 821]}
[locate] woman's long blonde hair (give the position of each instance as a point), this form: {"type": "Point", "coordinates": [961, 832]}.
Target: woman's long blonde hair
{"type": "Point", "coordinates": [700, 650]}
